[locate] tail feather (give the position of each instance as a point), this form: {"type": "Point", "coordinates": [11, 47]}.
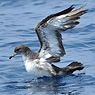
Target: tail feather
{"type": "Point", "coordinates": [72, 67]}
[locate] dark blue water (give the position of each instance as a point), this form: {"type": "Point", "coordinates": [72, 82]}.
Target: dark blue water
{"type": "Point", "coordinates": [17, 21]}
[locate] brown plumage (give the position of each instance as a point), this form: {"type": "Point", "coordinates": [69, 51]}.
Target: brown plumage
{"type": "Point", "coordinates": [49, 34]}
{"type": "Point", "coordinates": [66, 19]}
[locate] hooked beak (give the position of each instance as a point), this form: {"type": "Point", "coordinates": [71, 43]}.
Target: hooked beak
{"type": "Point", "coordinates": [13, 55]}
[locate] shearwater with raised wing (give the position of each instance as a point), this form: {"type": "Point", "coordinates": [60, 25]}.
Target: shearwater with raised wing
{"type": "Point", "coordinates": [49, 33]}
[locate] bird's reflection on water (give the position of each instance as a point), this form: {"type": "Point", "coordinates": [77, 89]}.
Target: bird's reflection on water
{"type": "Point", "coordinates": [48, 85]}
{"type": "Point", "coordinates": [65, 85]}
{"type": "Point", "coordinates": [45, 85]}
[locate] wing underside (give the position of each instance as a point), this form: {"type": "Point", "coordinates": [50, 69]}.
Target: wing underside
{"type": "Point", "coordinates": [48, 31]}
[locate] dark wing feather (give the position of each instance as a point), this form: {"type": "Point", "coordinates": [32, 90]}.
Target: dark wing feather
{"type": "Point", "coordinates": [54, 15]}
{"type": "Point", "coordinates": [48, 31]}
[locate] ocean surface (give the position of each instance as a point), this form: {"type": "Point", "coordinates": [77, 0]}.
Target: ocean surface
{"type": "Point", "coordinates": [17, 21]}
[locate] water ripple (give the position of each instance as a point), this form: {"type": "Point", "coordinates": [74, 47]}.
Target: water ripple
{"type": "Point", "coordinates": [17, 22]}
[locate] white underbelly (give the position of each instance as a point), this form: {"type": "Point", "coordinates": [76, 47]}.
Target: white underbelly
{"type": "Point", "coordinates": [38, 73]}
{"type": "Point", "coordinates": [35, 71]}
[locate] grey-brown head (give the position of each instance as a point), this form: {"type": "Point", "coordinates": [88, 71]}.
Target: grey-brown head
{"type": "Point", "coordinates": [19, 50]}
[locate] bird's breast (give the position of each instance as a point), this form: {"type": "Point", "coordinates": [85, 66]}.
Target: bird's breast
{"type": "Point", "coordinates": [36, 69]}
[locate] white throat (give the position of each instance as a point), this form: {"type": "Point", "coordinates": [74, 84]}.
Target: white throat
{"type": "Point", "coordinates": [24, 57]}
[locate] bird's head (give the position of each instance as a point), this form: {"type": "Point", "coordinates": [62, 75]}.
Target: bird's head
{"type": "Point", "coordinates": [19, 50]}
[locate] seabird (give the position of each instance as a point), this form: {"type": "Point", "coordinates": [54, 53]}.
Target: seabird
{"type": "Point", "coordinates": [49, 33]}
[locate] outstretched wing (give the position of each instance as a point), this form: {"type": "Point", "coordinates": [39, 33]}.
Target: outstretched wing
{"type": "Point", "coordinates": [48, 31]}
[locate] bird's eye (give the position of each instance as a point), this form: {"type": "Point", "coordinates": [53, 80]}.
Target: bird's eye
{"type": "Point", "coordinates": [17, 49]}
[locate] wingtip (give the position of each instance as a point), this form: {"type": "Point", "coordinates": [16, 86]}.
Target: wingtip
{"type": "Point", "coordinates": [83, 6]}
{"type": "Point", "coordinates": [72, 6]}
